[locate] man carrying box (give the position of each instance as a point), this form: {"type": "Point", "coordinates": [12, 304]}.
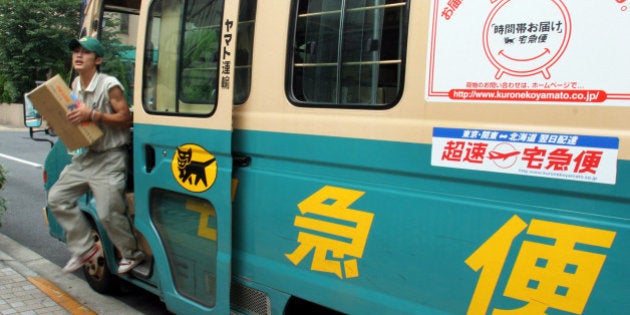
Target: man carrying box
{"type": "Point", "coordinates": [102, 168]}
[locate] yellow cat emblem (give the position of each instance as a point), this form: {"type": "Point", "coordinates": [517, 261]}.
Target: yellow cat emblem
{"type": "Point", "coordinates": [194, 168]}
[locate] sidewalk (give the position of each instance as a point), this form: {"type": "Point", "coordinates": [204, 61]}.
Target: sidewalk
{"type": "Point", "coordinates": [18, 295]}
{"type": "Point", "coordinates": [30, 284]}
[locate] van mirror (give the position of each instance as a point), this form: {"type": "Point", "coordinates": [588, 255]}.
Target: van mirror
{"type": "Point", "coordinates": [32, 118]}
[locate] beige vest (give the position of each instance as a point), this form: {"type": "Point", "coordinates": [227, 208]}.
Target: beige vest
{"type": "Point", "coordinates": [96, 96]}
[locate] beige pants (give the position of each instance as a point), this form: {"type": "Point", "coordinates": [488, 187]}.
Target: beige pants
{"type": "Point", "coordinates": [105, 175]}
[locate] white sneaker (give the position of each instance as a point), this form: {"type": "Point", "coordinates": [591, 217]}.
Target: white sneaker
{"type": "Point", "coordinates": [77, 262]}
{"type": "Point", "coordinates": [127, 265]}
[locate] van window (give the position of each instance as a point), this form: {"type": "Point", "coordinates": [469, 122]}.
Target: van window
{"type": "Point", "coordinates": [120, 49]}
{"type": "Point", "coordinates": [191, 252]}
{"type": "Point", "coordinates": [347, 53]}
{"type": "Point", "coordinates": [182, 56]}
{"type": "Point", "coordinates": [244, 50]}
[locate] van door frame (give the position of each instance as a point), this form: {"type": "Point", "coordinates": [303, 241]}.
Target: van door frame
{"type": "Point", "coordinates": [153, 157]}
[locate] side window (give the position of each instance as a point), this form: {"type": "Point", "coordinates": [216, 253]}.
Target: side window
{"type": "Point", "coordinates": [200, 52]}
{"type": "Point", "coordinates": [347, 53]}
{"type": "Point", "coordinates": [120, 49]}
{"type": "Point", "coordinates": [181, 57]}
{"type": "Point", "coordinates": [244, 50]}
{"type": "Point", "coordinates": [191, 252]}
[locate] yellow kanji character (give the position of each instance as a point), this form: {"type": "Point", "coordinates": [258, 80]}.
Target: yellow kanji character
{"type": "Point", "coordinates": [333, 203]}
{"type": "Point", "coordinates": [544, 275]}
{"type": "Point", "coordinates": [205, 212]}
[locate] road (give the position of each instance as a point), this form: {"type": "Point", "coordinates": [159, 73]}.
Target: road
{"type": "Point", "coordinates": [22, 160]}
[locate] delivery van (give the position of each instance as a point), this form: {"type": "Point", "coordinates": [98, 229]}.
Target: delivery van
{"type": "Point", "coordinates": [375, 156]}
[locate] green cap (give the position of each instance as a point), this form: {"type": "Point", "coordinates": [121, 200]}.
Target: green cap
{"type": "Point", "coordinates": [89, 43]}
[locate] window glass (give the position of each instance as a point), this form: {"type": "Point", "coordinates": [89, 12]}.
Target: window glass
{"type": "Point", "coordinates": [199, 56]}
{"type": "Point", "coordinates": [191, 249]}
{"type": "Point", "coordinates": [347, 53]}
{"type": "Point", "coordinates": [181, 67]}
{"type": "Point", "coordinates": [120, 49]}
{"type": "Point", "coordinates": [181, 57]}
{"type": "Point", "coordinates": [244, 50]}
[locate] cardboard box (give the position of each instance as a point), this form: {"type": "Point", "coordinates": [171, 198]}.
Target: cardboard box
{"type": "Point", "coordinates": [53, 101]}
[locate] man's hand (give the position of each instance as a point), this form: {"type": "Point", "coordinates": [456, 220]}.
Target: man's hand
{"type": "Point", "coordinates": [79, 115]}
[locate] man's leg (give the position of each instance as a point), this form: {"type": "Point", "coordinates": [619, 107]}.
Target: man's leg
{"type": "Point", "coordinates": [62, 200]}
{"type": "Point", "coordinates": [108, 187]}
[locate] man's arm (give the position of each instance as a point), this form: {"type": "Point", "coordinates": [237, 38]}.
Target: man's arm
{"type": "Point", "coordinates": [121, 116]}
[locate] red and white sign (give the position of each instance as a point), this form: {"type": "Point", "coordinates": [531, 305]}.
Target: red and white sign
{"type": "Point", "coordinates": [529, 51]}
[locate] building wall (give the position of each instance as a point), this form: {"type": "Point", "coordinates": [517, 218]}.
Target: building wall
{"type": "Point", "coordinates": [12, 115]}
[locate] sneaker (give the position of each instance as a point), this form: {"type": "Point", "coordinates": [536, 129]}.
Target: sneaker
{"type": "Point", "coordinates": [77, 262]}
{"type": "Point", "coordinates": [127, 265]}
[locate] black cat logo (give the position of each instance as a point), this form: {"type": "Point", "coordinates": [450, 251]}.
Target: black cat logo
{"type": "Point", "coordinates": [191, 170]}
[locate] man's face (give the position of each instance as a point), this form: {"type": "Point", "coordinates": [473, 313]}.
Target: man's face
{"type": "Point", "coordinates": [83, 59]}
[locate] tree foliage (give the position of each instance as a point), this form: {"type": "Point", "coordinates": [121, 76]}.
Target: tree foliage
{"type": "Point", "coordinates": [34, 46]}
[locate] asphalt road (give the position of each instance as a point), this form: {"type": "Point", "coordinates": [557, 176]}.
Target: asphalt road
{"type": "Point", "coordinates": [23, 159]}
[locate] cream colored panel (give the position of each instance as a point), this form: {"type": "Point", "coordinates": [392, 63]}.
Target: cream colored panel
{"type": "Point", "coordinates": [413, 119]}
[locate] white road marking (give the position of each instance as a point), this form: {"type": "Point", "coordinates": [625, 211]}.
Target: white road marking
{"type": "Point", "coordinates": [8, 157]}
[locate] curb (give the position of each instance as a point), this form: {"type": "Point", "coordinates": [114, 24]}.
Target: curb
{"type": "Point", "coordinates": [78, 293]}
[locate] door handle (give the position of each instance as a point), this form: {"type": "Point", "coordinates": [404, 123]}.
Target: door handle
{"type": "Point", "coordinates": [149, 155]}
{"type": "Point", "coordinates": [241, 161]}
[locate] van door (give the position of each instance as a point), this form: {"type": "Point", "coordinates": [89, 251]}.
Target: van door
{"type": "Point", "coordinates": [182, 147]}
{"type": "Point", "coordinates": [91, 18]}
